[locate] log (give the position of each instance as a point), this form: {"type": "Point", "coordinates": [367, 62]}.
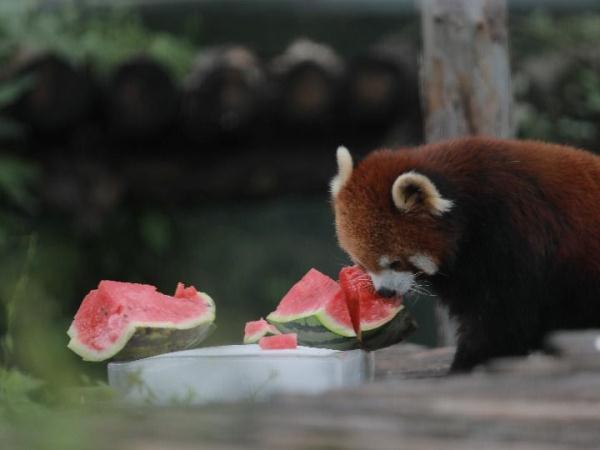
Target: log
{"type": "Point", "coordinates": [465, 77]}
{"type": "Point", "coordinates": [411, 406]}
{"type": "Point", "coordinates": [142, 100]}
{"type": "Point", "coordinates": [381, 86]}
{"type": "Point", "coordinates": [59, 95]}
{"type": "Point", "coordinates": [306, 79]}
{"type": "Point", "coordinates": [224, 94]}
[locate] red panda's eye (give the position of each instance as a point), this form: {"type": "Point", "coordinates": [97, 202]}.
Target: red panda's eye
{"type": "Point", "coordinates": [397, 265]}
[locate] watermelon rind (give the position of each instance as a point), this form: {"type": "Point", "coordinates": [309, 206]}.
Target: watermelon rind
{"type": "Point", "coordinates": [276, 317]}
{"type": "Point", "coordinates": [332, 324]}
{"type": "Point", "coordinates": [143, 339]}
{"type": "Point", "coordinates": [396, 330]}
{"type": "Point", "coordinates": [368, 326]}
{"type": "Point", "coordinates": [312, 331]}
{"type": "Point", "coordinates": [320, 318]}
{"type": "Point", "coordinates": [147, 341]}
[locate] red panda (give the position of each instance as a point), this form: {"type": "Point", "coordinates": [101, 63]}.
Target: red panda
{"type": "Point", "coordinates": [506, 232]}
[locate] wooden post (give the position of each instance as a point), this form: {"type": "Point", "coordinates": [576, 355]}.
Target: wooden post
{"type": "Point", "coordinates": [465, 78]}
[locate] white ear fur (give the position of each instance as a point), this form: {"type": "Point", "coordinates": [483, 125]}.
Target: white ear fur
{"type": "Point", "coordinates": [345, 164]}
{"type": "Point", "coordinates": [412, 189]}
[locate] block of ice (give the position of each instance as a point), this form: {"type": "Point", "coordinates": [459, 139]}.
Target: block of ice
{"type": "Point", "coordinates": [237, 372]}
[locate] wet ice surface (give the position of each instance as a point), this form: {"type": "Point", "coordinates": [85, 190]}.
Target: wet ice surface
{"type": "Point", "coordinates": [237, 372]}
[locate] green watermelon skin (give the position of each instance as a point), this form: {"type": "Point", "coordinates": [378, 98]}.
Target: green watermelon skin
{"type": "Point", "coordinates": [147, 341]}
{"type": "Point", "coordinates": [393, 332]}
{"type": "Point", "coordinates": [312, 333]}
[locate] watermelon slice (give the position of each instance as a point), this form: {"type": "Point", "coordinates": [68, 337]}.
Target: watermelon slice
{"type": "Point", "coordinates": [383, 321]}
{"type": "Point", "coordinates": [352, 279]}
{"type": "Point", "coordinates": [319, 310]}
{"type": "Point", "coordinates": [257, 329]}
{"type": "Point", "coordinates": [280, 342]}
{"type": "Point", "coordinates": [129, 321]}
{"type": "Point", "coordinates": [315, 308]}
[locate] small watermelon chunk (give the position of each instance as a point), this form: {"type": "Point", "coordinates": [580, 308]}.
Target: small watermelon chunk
{"type": "Point", "coordinates": [257, 329]}
{"type": "Point", "coordinates": [280, 342]}
{"type": "Point", "coordinates": [129, 321]}
{"type": "Point", "coordinates": [341, 316]}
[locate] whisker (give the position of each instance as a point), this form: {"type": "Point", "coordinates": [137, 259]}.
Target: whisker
{"type": "Point", "coordinates": [421, 290]}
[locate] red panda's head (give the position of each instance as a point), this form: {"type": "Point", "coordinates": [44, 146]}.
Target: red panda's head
{"type": "Point", "coordinates": [390, 218]}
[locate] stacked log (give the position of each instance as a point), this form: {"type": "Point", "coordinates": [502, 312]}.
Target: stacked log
{"type": "Point", "coordinates": [142, 100]}
{"type": "Point", "coordinates": [223, 95]}
{"type": "Point", "coordinates": [381, 86]}
{"type": "Point", "coordinates": [58, 96]}
{"type": "Point", "coordinates": [228, 97]}
{"type": "Point", "coordinates": [306, 79]}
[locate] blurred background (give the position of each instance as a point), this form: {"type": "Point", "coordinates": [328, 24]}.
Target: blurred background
{"type": "Point", "coordinates": [193, 140]}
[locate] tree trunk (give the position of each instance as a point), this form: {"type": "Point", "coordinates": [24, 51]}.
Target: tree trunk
{"type": "Point", "coordinates": [465, 78]}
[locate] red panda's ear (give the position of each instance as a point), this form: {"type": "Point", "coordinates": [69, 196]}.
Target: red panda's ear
{"type": "Point", "coordinates": [413, 191]}
{"type": "Point", "coordinates": [345, 164]}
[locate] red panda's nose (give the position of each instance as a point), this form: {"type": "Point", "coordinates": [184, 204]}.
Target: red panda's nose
{"type": "Point", "coordinates": [385, 292]}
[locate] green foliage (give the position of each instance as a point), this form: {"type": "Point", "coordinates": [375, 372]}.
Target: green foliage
{"type": "Point", "coordinates": [10, 91]}
{"type": "Point", "coordinates": [17, 392]}
{"type": "Point", "coordinates": [103, 37]}
{"type": "Point", "coordinates": [558, 77]}
{"type": "Point", "coordinates": [540, 31]}
{"type": "Point", "coordinates": [18, 178]}
{"type": "Point", "coordinates": [156, 232]}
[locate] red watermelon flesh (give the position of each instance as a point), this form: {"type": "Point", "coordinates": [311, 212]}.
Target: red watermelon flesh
{"type": "Point", "coordinates": [185, 292]}
{"type": "Point", "coordinates": [111, 314]}
{"type": "Point", "coordinates": [359, 303]}
{"type": "Point", "coordinates": [280, 342]}
{"type": "Point", "coordinates": [308, 295]}
{"type": "Point", "coordinates": [353, 280]}
{"type": "Point", "coordinates": [363, 300]}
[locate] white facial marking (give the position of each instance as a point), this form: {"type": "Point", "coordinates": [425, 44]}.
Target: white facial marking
{"type": "Point", "coordinates": [400, 282]}
{"type": "Point", "coordinates": [424, 262]}
{"type": "Point", "coordinates": [384, 262]}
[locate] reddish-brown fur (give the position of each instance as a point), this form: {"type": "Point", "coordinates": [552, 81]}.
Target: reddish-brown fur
{"type": "Point", "coordinates": [542, 197]}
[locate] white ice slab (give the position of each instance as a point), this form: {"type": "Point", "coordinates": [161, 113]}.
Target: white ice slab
{"type": "Point", "coordinates": [237, 372]}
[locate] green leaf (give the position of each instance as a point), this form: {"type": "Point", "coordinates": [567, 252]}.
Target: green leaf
{"type": "Point", "coordinates": [12, 89]}
{"type": "Point", "coordinates": [17, 177]}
